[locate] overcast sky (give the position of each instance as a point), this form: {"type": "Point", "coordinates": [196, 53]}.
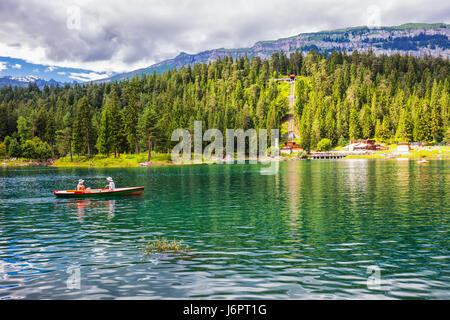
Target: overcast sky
{"type": "Point", "coordinates": [105, 35]}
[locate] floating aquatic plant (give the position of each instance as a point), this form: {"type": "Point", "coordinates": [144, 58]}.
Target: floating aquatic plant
{"type": "Point", "coordinates": [164, 245]}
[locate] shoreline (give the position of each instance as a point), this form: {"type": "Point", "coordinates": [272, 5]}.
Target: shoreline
{"type": "Point", "coordinates": [11, 163]}
{"type": "Point", "coordinates": [25, 163]}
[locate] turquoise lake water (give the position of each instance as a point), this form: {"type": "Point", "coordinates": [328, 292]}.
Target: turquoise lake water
{"type": "Point", "coordinates": [345, 229]}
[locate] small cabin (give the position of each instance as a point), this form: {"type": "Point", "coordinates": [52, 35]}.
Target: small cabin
{"type": "Point", "coordinates": [403, 147]}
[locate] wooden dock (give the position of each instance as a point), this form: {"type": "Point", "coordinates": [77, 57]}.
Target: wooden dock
{"type": "Point", "coordinates": [327, 155]}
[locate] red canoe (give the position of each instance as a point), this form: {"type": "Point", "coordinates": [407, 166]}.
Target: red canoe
{"type": "Point", "coordinates": [98, 192]}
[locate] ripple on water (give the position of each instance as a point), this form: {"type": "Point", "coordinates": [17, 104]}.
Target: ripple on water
{"type": "Point", "coordinates": [312, 231]}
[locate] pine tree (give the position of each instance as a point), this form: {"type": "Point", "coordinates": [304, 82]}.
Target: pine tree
{"type": "Point", "coordinates": [104, 141]}
{"type": "Point", "coordinates": [3, 122]}
{"type": "Point", "coordinates": [354, 129]}
{"type": "Point", "coordinates": [447, 136]}
{"type": "Point", "coordinates": [382, 132]}
{"type": "Point", "coordinates": [50, 130]}
{"type": "Point", "coordinates": [116, 134]}
{"type": "Point", "coordinates": [14, 150]}
{"type": "Point", "coordinates": [131, 114]}
{"type": "Point", "coordinates": [422, 124]}
{"type": "Point", "coordinates": [83, 128]}
{"type": "Point", "coordinates": [305, 129]}
{"type": "Point", "coordinates": [64, 136]}
{"type": "Point", "coordinates": [437, 130]}
{"type": "Point", "coordinates": [404, 129]}
{"type": "Point", "coordinates": [23, 129]}
{"type": "Point", "coordinates": [148, 128]}
{"type": "Point", "coordinates": [330, 125]}
{"type": "Point", "coordinates": [2, 150]}
{"type": "Point", "coordinates": [366, 122]}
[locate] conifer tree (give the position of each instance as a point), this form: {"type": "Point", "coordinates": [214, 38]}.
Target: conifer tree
{"type": "Point", "coordinates": [131, 114]}
{"type": "Point", "coordinates": [116, 135]}
{"type": "Point", "coordinates": [104, 141]}
{"type": "Point", "coordinates": [404, 130]}
{"type": "Point", "coordinates": [148, 128]}
{"type": "Point", "coordinates": [64, 136]}
{"type": "Point", "coordinates": [354, 129]}
{"type": "Point", "coordinates": [382, 130]}
{"type": "Point", "coordinates": [82, 130]}
{"type": "Point", "coordinates": [23, 129]}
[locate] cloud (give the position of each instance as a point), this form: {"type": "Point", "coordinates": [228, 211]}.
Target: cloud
{"type": "Point", "coordinates": [88, 76]}
{"type": "Point", "coordinates": [51, 69]}
{"type": "Point", "coordinates": [17, 66]}
{"type": "Point", "coordinates": [3, 65]}
{"type": "Point", "coordinates": [113, 35]}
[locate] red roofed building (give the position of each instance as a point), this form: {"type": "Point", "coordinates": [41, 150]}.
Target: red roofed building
{"type": "Point", "coordinates": [362, 145]}
{"type": "Point", "coordinates": [290, 147]}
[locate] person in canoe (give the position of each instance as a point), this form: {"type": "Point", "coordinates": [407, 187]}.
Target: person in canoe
{"type": "Point", "coordinates": [81, 186]}
{"type": "Point", "coordinates": [111, 186]}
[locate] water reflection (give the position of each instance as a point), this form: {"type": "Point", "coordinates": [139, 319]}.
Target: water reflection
{"type": "Point", "coordinates": [356, 176]}
{"type": "Point", "coordinates": [294, 192]}
{"type": "Point", "coordinates": [111, 208]}
{"type": "Point", "coordinates": [81, 206]}
{"type": "Point", "coordinates": [86, 207]}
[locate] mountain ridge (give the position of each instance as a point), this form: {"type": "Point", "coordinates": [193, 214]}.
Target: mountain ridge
{"type": "Point", "coordinates": [30, 79]}
{"type": "Point", "coordinates": [416, 39]}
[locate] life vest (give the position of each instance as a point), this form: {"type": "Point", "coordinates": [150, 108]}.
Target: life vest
{"type": "Point", "coordinates": [80, 188]}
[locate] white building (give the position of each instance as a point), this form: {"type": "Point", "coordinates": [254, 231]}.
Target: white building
{"type": "Point", "coordinates": [403, 148]}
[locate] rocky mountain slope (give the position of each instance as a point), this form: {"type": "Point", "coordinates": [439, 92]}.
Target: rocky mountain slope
{"type": "Point", "coordinates": [413, 39]}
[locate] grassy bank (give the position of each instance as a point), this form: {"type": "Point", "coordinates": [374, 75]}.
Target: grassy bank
{"type": "Point", "coordinates": [443, 152]}
{"type": "Point", "coordinates": [24, 162]}
{"type": "Point", "coordinates": [124, 160]}
{"type": "Point", "coordinates": [425, 153]}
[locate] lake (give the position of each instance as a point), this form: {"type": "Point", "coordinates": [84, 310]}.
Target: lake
{"type": "Point", "coordinates": [343, 229]}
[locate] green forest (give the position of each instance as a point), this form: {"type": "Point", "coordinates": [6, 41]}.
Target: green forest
{"type": "Point", "coordinates": [340, 97]}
